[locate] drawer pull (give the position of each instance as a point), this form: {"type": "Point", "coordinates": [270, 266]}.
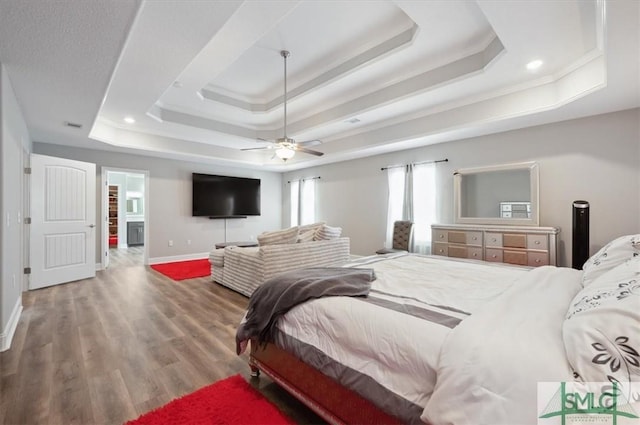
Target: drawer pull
{"type": "Point", "coordinates": [441, 250]}
{"type": "Point", "coordinates": [475, 254]}
{"type": "Point", "coordinates": [475, 238]}
{"type": "Point", "coordinates": [441, 236]}
{"type": "Point", "coordinates": [537, 242]}
{"type": "Point", "coordinates": [537, 260]}
{"type": "Point", "coordinates": [494, 256]}
{"type": "Point", "coordinates": [494, 240]}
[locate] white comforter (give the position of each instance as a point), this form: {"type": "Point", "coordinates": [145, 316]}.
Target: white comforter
{"type": "Point", "coordinates": [491, 364]}
{"type": "Point", "coordinates": [398, 350]}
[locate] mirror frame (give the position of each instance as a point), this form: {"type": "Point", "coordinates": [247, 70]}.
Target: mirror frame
{"type": "Point", "coordinates": [534, 190]}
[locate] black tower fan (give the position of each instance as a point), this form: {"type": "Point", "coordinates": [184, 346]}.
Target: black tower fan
{"type": "Point", "coordinates": [580, 233]}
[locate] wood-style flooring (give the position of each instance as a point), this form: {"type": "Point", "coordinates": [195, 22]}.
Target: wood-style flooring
{"type": "Point", "coordinates": [107, 349]}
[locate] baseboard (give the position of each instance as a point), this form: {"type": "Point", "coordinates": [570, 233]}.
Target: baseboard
{"type": "Point", "coordinates": [7, 335]}
{"type": "Point", "coordinates": [185, 257]}
{"type": "Point", "coordinates": [98, 267]}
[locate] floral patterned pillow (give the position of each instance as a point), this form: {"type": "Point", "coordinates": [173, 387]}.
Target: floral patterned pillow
{"type": "Point", "coordinates": [611, 255]}
{"type": "Point", "coordinates": [601, 332]}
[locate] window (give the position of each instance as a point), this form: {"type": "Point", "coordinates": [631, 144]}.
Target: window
{"type": "Point", "coordinates": [412, 196]}
{"type": "Point", "coordinates": [303, 202]}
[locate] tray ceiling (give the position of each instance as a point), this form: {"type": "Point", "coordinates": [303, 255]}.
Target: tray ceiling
{"type": "Point", "coordinates": [205, 79]}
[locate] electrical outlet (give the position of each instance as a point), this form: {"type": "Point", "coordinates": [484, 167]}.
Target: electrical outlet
{"type": "Point", "coordinates": [170, 243]}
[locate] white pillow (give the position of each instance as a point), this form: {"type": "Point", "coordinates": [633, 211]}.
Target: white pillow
{"type": "Point", "coordinates": [314, 226]}
{"type": "Point", "coordinates": [279, 237]}
{"type": "Point", "coordinates": [306, 236]}
{"type": "Point", "coordinates": [602, 328]}
{"type": "Point", "coordinates": [491, 363]}
{"type": "Point", "coordinates": [326, 233]}
{"type": "Point", "coordinates": [611, 255]}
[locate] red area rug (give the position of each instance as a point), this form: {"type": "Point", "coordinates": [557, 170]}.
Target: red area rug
{"type": "Point", "coordinates": [230, 401]}
{"type": "Point", "coordinates": [181, 270]}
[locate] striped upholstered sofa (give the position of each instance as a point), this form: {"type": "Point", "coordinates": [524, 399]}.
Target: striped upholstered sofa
{"type": "Point", "coordinates": [244, 269]}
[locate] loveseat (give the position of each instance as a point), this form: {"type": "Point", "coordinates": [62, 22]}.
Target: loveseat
{"type": "Point", "coordinates": [244, 269]}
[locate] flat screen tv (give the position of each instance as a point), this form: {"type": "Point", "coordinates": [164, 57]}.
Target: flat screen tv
{"type": "Point", "coordinates": [224, 196]}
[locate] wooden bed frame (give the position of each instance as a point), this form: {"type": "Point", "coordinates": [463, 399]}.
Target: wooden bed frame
{"type": "Point", "coordinates": [326, 397]}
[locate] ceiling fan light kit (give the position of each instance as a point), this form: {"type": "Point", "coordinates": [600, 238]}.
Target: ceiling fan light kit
{"type": "Point", "coordinates": [286, 147]}
{"type": "Point", "coordinates": [285, 153]}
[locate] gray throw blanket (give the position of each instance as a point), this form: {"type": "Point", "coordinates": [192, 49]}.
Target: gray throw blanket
{"type": "Point", "coordinates": [278, 295]}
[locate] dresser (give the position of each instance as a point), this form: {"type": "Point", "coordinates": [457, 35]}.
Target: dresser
{"type": "Point", "coordinates": [522, 245]}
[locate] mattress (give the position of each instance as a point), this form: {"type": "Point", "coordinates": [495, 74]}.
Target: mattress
{"type": "Point", "coordinates": [386, 346]}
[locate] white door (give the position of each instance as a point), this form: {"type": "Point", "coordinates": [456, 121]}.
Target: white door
{"type": "Point", "coordinates": [63, 218]}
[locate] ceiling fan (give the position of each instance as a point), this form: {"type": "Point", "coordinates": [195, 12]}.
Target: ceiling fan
{"type": "Point", "coordinates": [286, 147]}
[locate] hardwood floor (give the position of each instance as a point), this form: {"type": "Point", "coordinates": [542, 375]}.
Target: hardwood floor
{"type": "Point", "coordinates": [107, 349]}
{"type": "Point", "coordinates": [126, 257]}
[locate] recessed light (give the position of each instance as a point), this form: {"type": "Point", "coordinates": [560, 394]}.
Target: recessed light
{"type": "Point", "coordinates": [129, 120]}
{"type": "Point", "coordinates": [533, 65]}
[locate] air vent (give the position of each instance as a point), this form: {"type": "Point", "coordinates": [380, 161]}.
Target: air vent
{"type": "Point", "coordinates": [72, 124]}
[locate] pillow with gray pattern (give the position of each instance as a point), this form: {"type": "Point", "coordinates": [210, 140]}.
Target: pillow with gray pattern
{"type": "Point", "coordinates": [611, 255]}
{"type": "Point", "coordinates": [601, 332]}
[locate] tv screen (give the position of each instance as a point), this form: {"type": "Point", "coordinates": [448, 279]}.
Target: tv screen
{"type": "Point", "coordinates": [223, 196]}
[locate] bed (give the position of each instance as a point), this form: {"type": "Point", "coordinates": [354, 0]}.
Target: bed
{"type": "Point", "coordinates": [442, 341]}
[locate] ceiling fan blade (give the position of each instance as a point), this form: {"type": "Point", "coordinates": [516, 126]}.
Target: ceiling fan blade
{"type": "Point", "coordinates": [258, 149]}
{"type": "Point", "coordinates": [309, 151]}
{"type": "Point", "coordinates": [308, 143]}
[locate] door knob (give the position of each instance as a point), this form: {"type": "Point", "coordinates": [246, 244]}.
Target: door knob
{"type": "Point", "coordinates": [91, 225]}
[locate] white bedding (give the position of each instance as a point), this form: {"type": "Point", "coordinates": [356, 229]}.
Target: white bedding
{"type": "Point", "coordinates": [398, 350]}
{"type": "Point", "coordinates": [491, 363]}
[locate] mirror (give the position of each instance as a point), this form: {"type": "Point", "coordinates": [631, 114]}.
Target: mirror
{"type": "Point", "coordinates": [501, 194]}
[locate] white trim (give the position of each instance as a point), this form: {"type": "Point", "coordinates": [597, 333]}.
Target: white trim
{"type": "Point", "coordinates": [185, 257]}
{"type": "Point", "coordinates": [99, 267]}
{"type": "Point", "coordinates": [7, 335]}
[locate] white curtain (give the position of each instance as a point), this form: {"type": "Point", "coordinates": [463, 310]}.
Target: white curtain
{"type": "Point", "coordinates": [295, 203]}
{"type": "Point", "coordinates": [395, 179]}
{"type": "Point", "coordinates": [424, 206]}
{"type": "Point", "coordinates": [307, 201]}
{"type": "Point", "coordinates": [412, 196]}
{"type": "Point", "coordinates": [303, 202]}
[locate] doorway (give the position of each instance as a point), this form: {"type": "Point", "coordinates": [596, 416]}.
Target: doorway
{"type": "Point", "coordinates": [125, 194]}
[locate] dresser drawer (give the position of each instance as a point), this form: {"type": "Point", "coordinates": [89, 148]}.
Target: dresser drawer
{"type": "Point", "coordinates": [493, 239]}
{"type": "Point", "coordinates": [458, 251]}
{"type": "Point", "coordinates": [474, 238]}
{"type": "Point", "coordinates": [540, 242]}
{"type": "Point", "coordinates": [440, 249]}
{"type": "Point", "coordinates": [537, 259]}
{"type": "Point", "coordinates": [515, 257]}
{"type": "Point", "coordinates": [494, 255]}
{"type": "Point", "coordinates": [474, 253]}
{"type": "Point", "coordinates": [514, 240]}
{"type": "Point", "coordinates": [439, 235]}
{"type": "Point", "coordinates": [457, 237]}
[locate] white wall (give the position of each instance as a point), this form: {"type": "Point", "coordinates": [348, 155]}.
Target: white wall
{"type": "Point", "coordinates": [595, 158]}
{"type": "Point", "coordinates": [15, 145]}
{"type": "Point", "coordinates": [170, 201]}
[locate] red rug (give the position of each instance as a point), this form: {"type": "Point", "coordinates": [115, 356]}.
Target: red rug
{"type": "Point", "coordinates": [230, 401]}
{"type": "Point", "coordinates": [181, 270]}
